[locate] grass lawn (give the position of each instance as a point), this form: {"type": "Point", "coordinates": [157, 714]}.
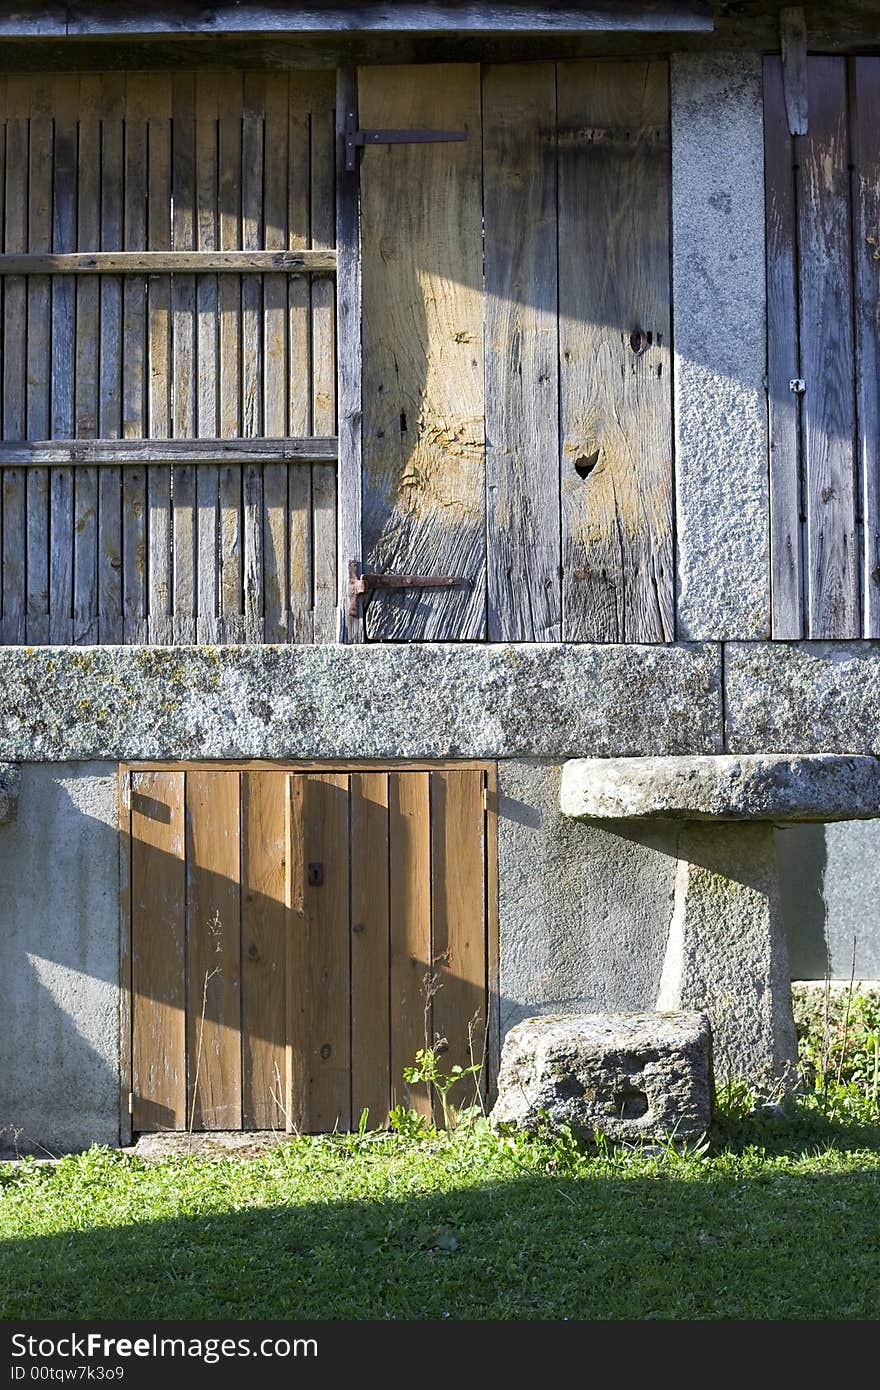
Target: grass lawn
{"type": "Point", "coordinates": [777, 1218]}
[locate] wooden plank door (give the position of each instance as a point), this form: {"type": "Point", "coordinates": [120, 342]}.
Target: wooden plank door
{"type": "Point", "coordinates": [515, 387]}
{"type": "Point", "coordinates": [208, 931]}
{"type": "Point", "coordinates": [389, 937]}
{"type": "Point", "coordinates": [296, 937]}
{"type": "Point", "coordinates": [615, 358]}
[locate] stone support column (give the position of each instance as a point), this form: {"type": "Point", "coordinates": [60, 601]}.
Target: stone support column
{"type": "Point", "coordinates": [726, 954]}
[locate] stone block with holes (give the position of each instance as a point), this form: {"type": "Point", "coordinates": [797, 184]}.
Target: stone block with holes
{"type": "Point", "coordinates": [628, 1076]}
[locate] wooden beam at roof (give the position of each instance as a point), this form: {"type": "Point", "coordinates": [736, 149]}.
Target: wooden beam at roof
{"type": "Point", "coordinates": [130, 18]}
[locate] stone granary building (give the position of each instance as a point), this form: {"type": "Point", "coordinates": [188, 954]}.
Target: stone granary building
{"type": "Point", "coordinates": [440, 549]}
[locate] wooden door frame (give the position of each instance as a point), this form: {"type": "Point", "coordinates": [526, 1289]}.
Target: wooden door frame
{"type": "Point", "coordinates": [350, 765]}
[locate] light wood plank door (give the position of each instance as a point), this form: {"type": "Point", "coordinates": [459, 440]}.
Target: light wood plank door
{"type": "Point", "coordinates": [298, 935]}
{"type": "Point", "coordinates": [516, 353]}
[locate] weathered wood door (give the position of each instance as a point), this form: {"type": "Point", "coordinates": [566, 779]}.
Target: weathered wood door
{"type": "Point", "coordinates": [297, 936]}
{"type": "Point", "coordinates": [823, 284]}
{"type": "Point", "coordinates": [516, 386]}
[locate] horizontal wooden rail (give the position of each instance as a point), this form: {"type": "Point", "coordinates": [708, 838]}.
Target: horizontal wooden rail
{"type": "Point", "coordinates": [120, 452]}
{"type": "Point", "coordinates": [167, 262]}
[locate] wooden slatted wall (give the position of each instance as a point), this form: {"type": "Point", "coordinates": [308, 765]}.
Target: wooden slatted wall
{"type": "Point", "coordinates": [517, 357]}
{"type": "Point", "coordinates": [823, 251]}
{"type": "Point", "coordinates": [136, 549]}
{"type": "Point", "coordinates": [297, 937]}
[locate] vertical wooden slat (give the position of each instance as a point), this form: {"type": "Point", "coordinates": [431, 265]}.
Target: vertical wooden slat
{"type": "Point", "coordinates": [828, 410]}
{"type": "Point", "coordinates": [231, 588]}
{"type": "Point", "coordinates": [64, 231]}
{"type": "Point", "coordinates": [3, 139]}
{"type": "Point", "coordinates": [423, 382]}
{"type": "Point", "coordinates": [323, 325]}
{"type": "Point", "coordinates": [15, 361]}
{"type": "Point", "coordinates": [615, 387]}
{"type": "Point", "coordinates": [865, 89]}
{"type": "Point", "coordinates": [275, 367]}
{"type": "Point", "coordinates": [264, 928]}
{"type": "Point", "coordinates": [522, 450]}
{"type": "Point", "coordinates": [349, 357]}
{"type": "Point", "coordinates": [213, 870]}
{"type": "Point", "coordinates": [138, 96]}
{"type": "Point", "coordinates": [158, 958]}
{"type": "Point", "coordinates": [327, 907]}
{"type": "Point", "coordinates": [207, 298]}
{"type": "Point", "coordinates": [782, 362]}
{"type": "Point", "coordinates": [299, 480]}
{"type": "Point", "coordinates": [159, 352]}
{"type": "Point", "coordinates": [319, 978]}
{"type": "Point", "coordinates": [254, 105]}
{"type": "Point", "coordinates": [493, 972]}
{"type": "Point", "coordinates": [458, 909]}
{"type": "Point", "coordinates": [298, 992]}
{"type": "Point", "coordinates": [110, 624]}
{"type": "Point", "coordinates": [39, 357]}
{"type": "Point", "coordinates": [370, 984]}
{"type": "Point", "coordinates": [88, 291]}
{"type": "Point", "coordinates": [183, 302]}
{"type": "Point", "coordinates": [409, 834]}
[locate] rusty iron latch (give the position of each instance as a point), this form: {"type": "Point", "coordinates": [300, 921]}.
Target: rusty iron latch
{"type": "Point", "coordinates": [356, 138]}
{"type": "Point", "coordinates": [360, 584]}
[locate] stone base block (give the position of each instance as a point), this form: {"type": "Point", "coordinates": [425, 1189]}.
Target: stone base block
{"type": "Point", "coordinates": [628, 1076]}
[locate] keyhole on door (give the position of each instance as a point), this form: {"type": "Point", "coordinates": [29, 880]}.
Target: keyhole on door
{"type": "Point", "coordinates": [316, 875]}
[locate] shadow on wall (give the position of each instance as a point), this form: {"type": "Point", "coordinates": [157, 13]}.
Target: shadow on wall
{"type": "Point", "coordinates": [59, 961]}
{"type": "Point", "coordinates": [584, 908]}
{"type": "Point", "coordinates": [802, 858]}
{"type": "Point", "coordinates": [830, 880]}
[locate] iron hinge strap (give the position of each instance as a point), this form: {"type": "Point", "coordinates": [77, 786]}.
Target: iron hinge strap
{"type": "Point", "coordinates": [356, 138]}
{"type": "Point", "coordinates": [362, 584]}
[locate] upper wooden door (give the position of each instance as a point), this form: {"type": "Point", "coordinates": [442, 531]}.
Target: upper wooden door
{"type": "Point", "coordinates": [297, 937]}
{"type": "Point", "coordinates": [823, 283]}
{"type": "Point", "coordinates": [516, 383]}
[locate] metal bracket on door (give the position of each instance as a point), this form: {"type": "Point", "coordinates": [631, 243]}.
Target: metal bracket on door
{"type": "Point", "coordinates": [356, 138]}
{"type": "Point", "coordinates": [360, 584]}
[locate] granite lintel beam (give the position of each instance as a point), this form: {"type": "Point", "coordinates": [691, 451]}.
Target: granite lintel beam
{"type": "Point", "coordinates": [737, 787]}
{"type": "Point", "coordinates": [803, 697]}
{"type": "Point", "coordinates": [466, 700]}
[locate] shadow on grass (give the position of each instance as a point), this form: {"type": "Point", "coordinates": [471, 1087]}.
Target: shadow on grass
{"type": "Point", "coordinates": [682, 1242]}
{"type": "Point", "coordinates": [801, 1135]}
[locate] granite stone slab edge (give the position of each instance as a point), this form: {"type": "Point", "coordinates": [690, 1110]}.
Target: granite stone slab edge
{"type": "Point", "coordinates": [732, 787]}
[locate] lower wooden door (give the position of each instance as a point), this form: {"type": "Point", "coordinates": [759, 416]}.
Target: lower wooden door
{"type": "Point", "coordinates": [296, 936]}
